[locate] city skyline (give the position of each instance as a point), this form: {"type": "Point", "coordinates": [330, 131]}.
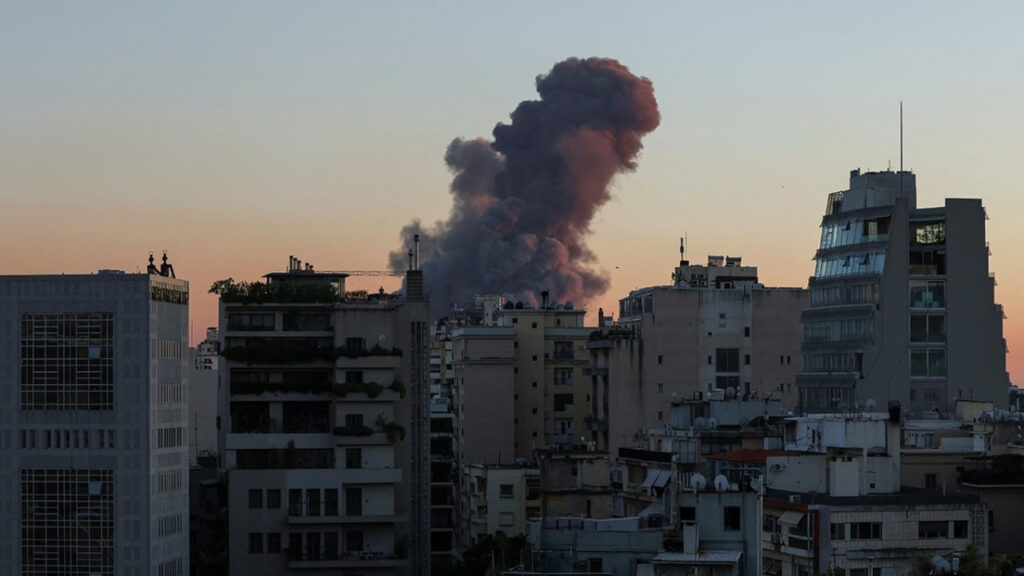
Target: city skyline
{"type": "Point", "coordinates": [233, 139]}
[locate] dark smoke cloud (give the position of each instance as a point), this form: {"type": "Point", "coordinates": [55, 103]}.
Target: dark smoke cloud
{"type": "Point", "coordinates": [522, 204]}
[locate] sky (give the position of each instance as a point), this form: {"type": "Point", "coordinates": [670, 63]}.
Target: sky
{"type": "Point", "coordinates": [233, 134]}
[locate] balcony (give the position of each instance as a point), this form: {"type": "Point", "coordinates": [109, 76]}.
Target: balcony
{"type": "Point", "coordinates": [347, 519]}
{"type": "Point", "coordinates": [276, 441]}
{"type": "Point", "coordinates": [370, 475]}
{"type": "Point", "coordinates": [596, 424]}
{"type": "Point", "coordinates": [372, 439]}
{"type": "Point", "coordinates": [362, 560]}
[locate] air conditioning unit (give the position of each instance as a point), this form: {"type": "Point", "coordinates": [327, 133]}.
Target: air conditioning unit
{"type": "Point", "coordinates": [794, 499]}
{"type": "Point", "coordinates": [778, 467]}
{"type": "Point", "coordinates": [776, 538]}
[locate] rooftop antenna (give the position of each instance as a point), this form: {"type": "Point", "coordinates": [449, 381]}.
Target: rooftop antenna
{"type": "Point", "coordinates": [901, 148]}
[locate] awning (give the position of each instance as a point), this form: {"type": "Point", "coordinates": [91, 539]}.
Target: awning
{"type": "Point", "coordinates": [662, 479]}
{"type": "Point", "coordinates": [684, 558]}
{"type": "Point", "coordinates": [791, 518]}
{"type": "Point", "coordinates": [652, 475]}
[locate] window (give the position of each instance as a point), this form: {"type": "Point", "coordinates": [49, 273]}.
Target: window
{"type": "Point", "coordinates": [731, 517]}
{"type": "Point", "coordinates": [839, 531]}
{"type": "Point", "coordinates": [273, 542]}
{"type": "Point", "coordinates": [294, 502]}
{"type": "Point", "coordinates": [659, 359]}
{"type": "Point", "coordinates": [746, 331]}
{"type": "Point", "coordinates": [255, 499]}
{"type": "Point", "coordinates": [507, 490]}
{"type": "Point", "coordinates": [564, 350]}
{"type": "Point", "coordinates": [353, 420]}
{"type": "Point", "coordinates": [330, 545]}
{"type": "Point", "coordinates": [306, 322]}
{"type": "Point", "coordinates": [273, 498]}
{"type": "Point", "coordinates": [727, 360]}
{"type": "Point", "coordinates": [313, 502]}
{"type": "Point", "coordinates": [312, 545]}
{"type": "Point", "coordinates": [933, 529]}
{"type": "Point", "coordinates": [355, 345]}
{"type": "Point", "coordinates": [353, 376]}
{"type": "Point", "coordinates": [353, 501]}
{"type": "Point", "coordinates": [563, 376]}
{"type": "Point", "coordinates": [687, 513]}
{"type": "Point", "coordinates": [506, 519]}
{"type": "Point", "coordinates": [661, 387]}
{"type": "Point", "coordinates": [931, 481]}
{"type": "Point", "coordinates": [353, 540]}
{"type": "Point", "coordinates": [251, 322]}
{"type": "Point", "coordinates": [353, 458]}
{"type": "Point", "coordinates": [563, 402]}
{"type": "Point", "coordinates": [865, 530]}
{"type": "Point", "coordinates": [927, 294]}
{"type": "Point", "coordinates": [295, 544]}
{"type": "Point", "coordinates": [960, 529]}
{"type": "Point", "coordinates": [746, 359]}
{"type": "Point", "coordinates": [330, 502]}
{"type": "Point", "coordinates": [928, 363]}
{"type": "Point", "coordinates": [67, 361]}
{"type": "Point", "coordinates": [255, 543]}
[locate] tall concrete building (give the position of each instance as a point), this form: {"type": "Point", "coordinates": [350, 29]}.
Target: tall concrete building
{"type": "Point", "coordinates": [530, 360]}
{"type": "Point", "coordinates": [716, 332]}
{"type": "Point", "coordinates": [93, 430]}
{"type": "Point", "coordinates": [326, 425]}
{"type": "Point", "coordinates": [902, 304]}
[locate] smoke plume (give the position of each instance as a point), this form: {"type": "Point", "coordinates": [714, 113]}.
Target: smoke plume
{"type": "Point", "coordinates": [522, 204]}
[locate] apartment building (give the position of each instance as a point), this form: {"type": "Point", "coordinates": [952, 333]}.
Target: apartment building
{"type": "Point", "coordinates": [93, 431]}
{"type": "Point", "coordinates": [715, 331]}
{"type": "Point", "coordinates": [325, 425]}
{"type": "Point", "coordinates": [502, 498]}
{"type": "Point", "coordinates": [835, 499]}
{"type": "Point", "coordinates": [531, 360]}
{"type": "Point", "coordinates": [902, 305]}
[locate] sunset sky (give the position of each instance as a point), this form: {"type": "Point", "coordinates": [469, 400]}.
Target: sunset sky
{"type": "Point", "coordinates": [233, 135]}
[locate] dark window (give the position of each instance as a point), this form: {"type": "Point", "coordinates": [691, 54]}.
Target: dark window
{"type": "Point", "coordinates": [305, 417]}
{"type": "Point", "coordinates": [313, 502]}
{"type": "Point", "coordinates": [731, 517]}
{"type": "Point", "coordinates": [507, 490]}
{"type": "Point", "coordinates": [330, 545]}
{"type": "Point", "coordinates": [273, 542]}
{"type": "Point", "coordinates": [746, 359]}
{"type": "Point", "coordinates": [354, 376]}
{"type": "Point", "coordinates": [295, 502]}
{"type": "Point", "coordinates": [727, 360]}
{"type": "Point", "coordinates": [353, 458]}
{"type": "Point", "coordinates": [960, 529]}
{"type": "Point", "coordinates": [933, 529]}
{"type": "Point", "coordinates": [274, 499]}
{"type": "Point", "coordinates": [255, 543]}
{"type": "Point", "coordinates": [255, 499]}
{"type": "Point", "coordinates": [306, 322]}
{"type": "Point", "coordinates": [865, 530]}
{"type": "Point", "coordinates": [839, 531]}
{"type": "Point", "coordinates": [330, 502]}
{"type": "Point", "coordinates": [687, 513]}
{"type": "Point", "coordinates": [746, 331]}
{"type": "Point", "coordinates": [295, 544]}
{"type": "Point", "coordinates": [931, 481]}
{"type": "Point", "coordinates": [659, 359]}
{"type": "Point", "coordinates": [355, 345]}
{"type": "Point", "coordinates": [354, 502]}
{"type": "Point", "coordinates": [562, 402]}
{"type": "Point", "coordinates": [312, 545]}
{"type": "Point", "coordinates": [353, 420]}
{"type": "Point", "coordinates": [564, 350]}
{"type": "Point", "coordinates": [251, 322]}
{"type": "Point", "coordinates": [353, 540]}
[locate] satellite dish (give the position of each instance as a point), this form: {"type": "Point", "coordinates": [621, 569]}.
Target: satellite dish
{"type": "Point", "coordinates": [730, 392]}
{"type": "Point", "coordinates": [721, 483]}
{"type": "Point", "coordinates": [699, 482]}
{"type": "Point", "coordinates": [712, 422]}
{"type": "Point", "coordinates": [700, 422]}
{"type": "Point", "coordinates": [755, 484]}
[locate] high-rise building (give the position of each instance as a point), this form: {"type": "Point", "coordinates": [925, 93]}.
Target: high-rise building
{"type": "Point", "coordinates": [716, 332]}
{"type": "Point", "coordinates": [902, 307]}
{"type": "Point", "coordinates": [326, 425]}
{"type": "Point", "coordinates": [93, 430]}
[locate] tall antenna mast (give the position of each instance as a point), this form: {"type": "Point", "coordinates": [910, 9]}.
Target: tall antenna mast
{"type": "Point", "coordinates": [901, 148]}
